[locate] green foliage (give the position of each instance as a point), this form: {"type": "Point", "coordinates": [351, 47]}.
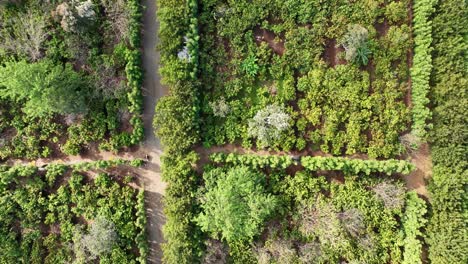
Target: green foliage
{"type": "Point", "coordinates": [422, 66]}
{"type": "Point", "coordinates": [446, 230]}
{"type": "Point", "coordinates": [249, 65]}
{"type": "Point", "coordinates": [235, 204]}
{"type": "Point", "coordinates": [413, 222]}
{"type": "Point", "coordinates": [356, 166]}
{"type": "Point", "coordinates": [43, 88]}
{"type": "Point", "coordinates": [355, 44]}
{"type": "Point", "coordinates": [268, 124]}
{"type": "Point", "coordinates": [30, 206]}
{"type": "Point", "coordinates": [253, 161]}
{"type": "Point", "coordinates": [176, 124]}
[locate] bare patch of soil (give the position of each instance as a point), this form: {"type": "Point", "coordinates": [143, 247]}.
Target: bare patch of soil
{"type": "Point", "coordinates": [331, 53]}
{"type": "Point", "coordinates": [417, 179]}
{"type": "Point", "coordinates": [273, 41]}
{"type": "Point", "coordinates": [382, 28]}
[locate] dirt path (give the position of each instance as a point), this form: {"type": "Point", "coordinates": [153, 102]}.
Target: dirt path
{"type": "Point", "coordinates": [152, 91]}
{"type": "Point", "coordinates": [416, 180]}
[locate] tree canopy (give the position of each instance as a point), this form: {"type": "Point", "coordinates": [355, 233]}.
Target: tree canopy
{"type": "Point", "coordinates": [235, 204]}
{"type": "Point", "coordinates": [44, 88]}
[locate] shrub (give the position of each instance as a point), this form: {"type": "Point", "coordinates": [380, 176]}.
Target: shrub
{"type": "Point", "coordinates": [268, 124]}
{"type": "Point", "coordinates": [390, 194]}
{"type": "Point", "coordinates": [355, 44]}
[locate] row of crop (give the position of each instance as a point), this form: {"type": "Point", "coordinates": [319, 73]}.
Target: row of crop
{"type": "Point", "coordinates": [447, 225]}
{"type": "Point", "coordinates": [348, 166]}
{"type": "Point", "coordinates": [141, 238]}
{"type": "Point", "coordinates": [134, 72]}
{"type": "Point", "coordinates": [422, 66]}
{"type": "Point", "coordinates": [254, 161]}
{"type": "Point", "coordinates": [413, 221]}
{"type": "Point", "coordinates": [175, 123]}
{"type": "Point", "coordinates": [355, 166]}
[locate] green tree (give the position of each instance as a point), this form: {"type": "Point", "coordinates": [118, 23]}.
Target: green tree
{"type": "Point", "coordinates": [235, 204]}
{"type": "Point", "coordinates": [43, 87]}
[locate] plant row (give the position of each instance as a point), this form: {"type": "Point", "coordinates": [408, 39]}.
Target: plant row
{"type": "Point", "coordinates": [422, 66]}
{"type": "Point", "coordinates": [356, 166]}
{"type": "Point", "coordinates": [447, 225]}
{"type": "Point", "coordinates": [176, 124]}
{"type": "Point", "coordinates": [348, 166]}
{"type": "Point", "coordinates": [254, 161]}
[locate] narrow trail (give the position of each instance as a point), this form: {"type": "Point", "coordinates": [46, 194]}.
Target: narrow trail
{"type": "Point", "coordinates": [152, 91]}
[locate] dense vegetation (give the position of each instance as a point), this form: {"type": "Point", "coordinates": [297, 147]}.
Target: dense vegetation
{"type": "Point", "coordinates": [447, 227]}
{"type": "Point", "coordinates": [61, 214]}
{"type": "Point", "coordinates": [322, 75]}
{"type": "Point", "coordinates": [176, 124]}
{"type": "Point", "coordinates": [294, 75]}
{"type": "Point", "coordinates": [422, 65]}
{"type": "Point", "coordinates": [70, 76]}
{"type": "Point", "coordinates": [266, 214]}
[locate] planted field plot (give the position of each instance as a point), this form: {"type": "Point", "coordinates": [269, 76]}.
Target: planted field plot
{"type": "Point", "coordinates": [63, 214]}
{"type": "Point", "coordinates": [70, 77]}
{"type": "Point", "coordinates": [329, 100]}
{"type": "Point", "coordinates": [329, 76]}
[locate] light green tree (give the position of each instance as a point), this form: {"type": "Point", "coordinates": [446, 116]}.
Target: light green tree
{"type": "Point", "coordinates": [43, 87]}
{"type": "Point", "coordinates": [235, 204]}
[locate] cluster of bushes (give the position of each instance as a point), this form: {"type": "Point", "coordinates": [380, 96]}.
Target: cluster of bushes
{"type": "Point", "coordinates": [254, 55]}
{"type": "Point", "coordinates": [79, 220]}
{"type": "Point", "coordinates": [88, 51]}
{"type": "Point", "coordinates": [422, 66]}
{"type": "Point", "coordinates": [176, 124]}
{"type": "Point", "coordinates": [448, 215]}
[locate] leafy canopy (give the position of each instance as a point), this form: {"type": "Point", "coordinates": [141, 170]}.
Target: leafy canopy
{"type": "Point", "coordinates": [44, 88]}
{"type": "Point", "coordinates": [235, 204]}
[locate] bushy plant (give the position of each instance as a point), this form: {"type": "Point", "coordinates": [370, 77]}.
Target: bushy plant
{"type": "Point", "coordinates": [355, 44]}
{"type": "Point", "coordinates": [268, 124]}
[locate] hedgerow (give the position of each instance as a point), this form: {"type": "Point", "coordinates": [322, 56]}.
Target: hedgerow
{"type": "Point", "coordinates": [413, 223]}
{"type": "Point", "coordinates": [356, 166]}
{"type": "Point", "coordinates": [422, 66]}
{"type": "Point", "coordinates": [446, 231]}
{"type": "Point", "coordinates": [176, 124]}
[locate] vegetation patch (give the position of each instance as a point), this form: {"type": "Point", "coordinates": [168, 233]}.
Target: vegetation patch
{"type": "Point", "coordinates": [70, 77]}
{"type": "Point", "coordinates": [58, 214]}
